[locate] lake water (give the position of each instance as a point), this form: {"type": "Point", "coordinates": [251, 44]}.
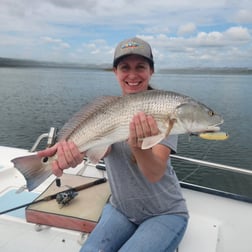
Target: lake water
{"type": "Point", "coordinates": [35, 99]}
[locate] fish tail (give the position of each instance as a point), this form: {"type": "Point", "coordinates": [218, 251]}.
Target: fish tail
{"type": "Point", "coordinates": [33, 169]}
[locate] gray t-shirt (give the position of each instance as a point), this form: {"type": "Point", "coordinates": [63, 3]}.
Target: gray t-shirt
{"type": "Point", "coordinates": [134, 195]}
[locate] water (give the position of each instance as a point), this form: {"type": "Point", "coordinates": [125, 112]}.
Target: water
{"type": "Point", "coordinates": [35, 99]}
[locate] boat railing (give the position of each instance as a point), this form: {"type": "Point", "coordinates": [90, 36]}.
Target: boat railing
{"type": "Point", "coordinates": [213, 165]}
{"type": "Point", "coordinates": [51, 138]}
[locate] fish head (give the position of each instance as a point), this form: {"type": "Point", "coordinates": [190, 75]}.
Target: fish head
{"type": "Point", "coordinates": [195, 117]}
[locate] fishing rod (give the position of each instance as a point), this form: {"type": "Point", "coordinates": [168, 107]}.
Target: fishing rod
{"type": "Point", "coordinates": [63, 197]}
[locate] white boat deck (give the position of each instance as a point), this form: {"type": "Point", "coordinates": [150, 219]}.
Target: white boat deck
{"type": "Point", "coordinates": [216, 224]}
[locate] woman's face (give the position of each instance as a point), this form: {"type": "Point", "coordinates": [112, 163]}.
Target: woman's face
{"type": "Point", "coordinates": [133, 74]}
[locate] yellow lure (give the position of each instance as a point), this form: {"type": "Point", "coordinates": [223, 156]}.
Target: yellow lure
{"type": "Point", "coordinates": [219, 136]}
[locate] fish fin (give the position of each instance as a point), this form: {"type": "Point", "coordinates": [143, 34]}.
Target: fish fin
{"type": "Point", "coordinates": [100, 103]}
{"type": "Point", "coordinates": [33, 169]}
{"type": "Point", "coordinates": [170, 126]}
{"type": "Point", "coordinates": [149, 142]}
{"type": "Point", "coordinates": [96, 154]}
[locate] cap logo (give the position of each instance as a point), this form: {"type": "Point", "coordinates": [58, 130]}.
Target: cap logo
{"type": "Point", "coordinates": [131, 44]}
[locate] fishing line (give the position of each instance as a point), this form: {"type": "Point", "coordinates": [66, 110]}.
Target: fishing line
{"type": "Point", "coordinates": [198, 165]}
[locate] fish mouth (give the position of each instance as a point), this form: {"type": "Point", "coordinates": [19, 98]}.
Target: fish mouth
{"type": "Point", "coordinates": [214, 128]}
{"type": "Point", "coordinates": [209, 130]}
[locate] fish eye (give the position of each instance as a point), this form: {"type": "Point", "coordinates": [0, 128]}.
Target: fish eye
{"type": "Point", "coordinates": [45, 159]}
{"type": "Point", "coordinates": [211, 113]}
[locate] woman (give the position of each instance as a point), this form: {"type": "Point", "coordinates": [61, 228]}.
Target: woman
{"type": "Point", "coordinates": [146, 211]}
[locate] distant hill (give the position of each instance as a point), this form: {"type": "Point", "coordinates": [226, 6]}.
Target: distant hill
{"type": "Point", "coordinates": [10, 62]}
{"type": "Point", "coordinates": [210, 70]}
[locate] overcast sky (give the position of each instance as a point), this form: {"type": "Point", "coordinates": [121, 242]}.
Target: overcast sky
{"type": "Point", "coordinates": [182, 33]}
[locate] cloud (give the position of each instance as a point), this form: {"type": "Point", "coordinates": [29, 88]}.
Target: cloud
{"type": "Point", "coordinates": [58, 42]}
{"type": "Point", "coordinates": [74, 4]}
{"type": "Point", "coordinates": [185, 29]}
{"type": "Point", "coordinates": [217, 48]}
{"type": "Point", "coordinates": [157, 29]}
{"type": "Point", "coordinates": [87, 31]}
{"type": "Point", "coordinates": [230, 37]}
{"type": "Point", "coordinates": [238, 34]}
{"type": "Point", "coordinates": [243, 16]}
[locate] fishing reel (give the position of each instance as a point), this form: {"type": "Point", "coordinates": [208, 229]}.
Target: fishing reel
{"type": "Point", "coordinates": [64, 198]}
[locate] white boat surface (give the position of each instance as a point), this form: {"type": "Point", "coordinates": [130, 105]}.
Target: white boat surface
{"type": "Point", "coordinates": [219, 221]}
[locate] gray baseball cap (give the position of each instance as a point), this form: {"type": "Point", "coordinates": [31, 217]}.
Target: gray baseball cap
{"type": "Point", "coordinates": [133, 46]}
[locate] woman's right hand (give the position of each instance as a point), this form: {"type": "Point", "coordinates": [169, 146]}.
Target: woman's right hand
{"type": "Point", "coordinates": [68, 155]}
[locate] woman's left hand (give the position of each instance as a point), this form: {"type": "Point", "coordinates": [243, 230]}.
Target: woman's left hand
{"type": "Point", "coordinates": [151, 162]}
{"type": "Point", "coordinates": [141, 126]}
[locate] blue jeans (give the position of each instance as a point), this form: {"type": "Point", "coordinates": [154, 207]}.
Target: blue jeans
{"type": "Point", "coordinates": [115, 232]}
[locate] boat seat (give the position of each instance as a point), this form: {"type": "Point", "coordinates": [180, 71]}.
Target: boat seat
{"type": "Point", "coordinates": [201, 235]}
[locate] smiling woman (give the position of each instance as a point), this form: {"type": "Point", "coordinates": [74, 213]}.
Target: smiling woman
{"type": "Point", "coordinates": [138, 176]}
{"type": "Point", "coordinates": [133, 73]}
{"type": "Point", "coordinates": [133, 65]}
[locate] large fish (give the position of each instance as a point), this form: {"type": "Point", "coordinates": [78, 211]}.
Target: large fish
{"type": "Point", "coordinates": [106, 121]}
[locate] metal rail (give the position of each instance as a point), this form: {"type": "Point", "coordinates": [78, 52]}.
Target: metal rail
{"type": "Point", "coordinates": [51, 135]}
{"type": "Point", "coordinates": [214, 165]}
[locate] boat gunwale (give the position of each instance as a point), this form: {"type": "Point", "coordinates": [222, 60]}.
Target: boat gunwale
{"type": "Point", "coordinates": [215, 192]}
